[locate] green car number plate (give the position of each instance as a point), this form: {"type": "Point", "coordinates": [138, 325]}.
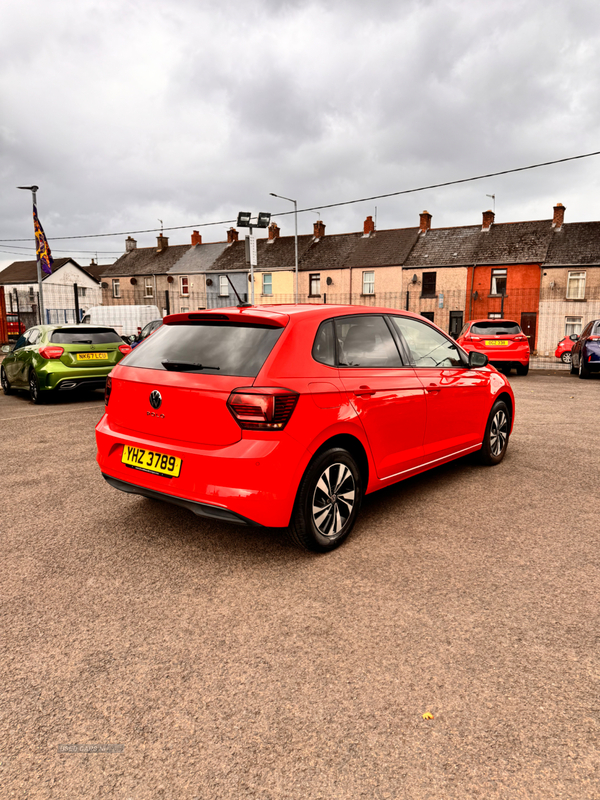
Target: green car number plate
{"type": "Point", "coordinates": [151, 461]}
{"type": "Point", "coordinates": [92, 356]}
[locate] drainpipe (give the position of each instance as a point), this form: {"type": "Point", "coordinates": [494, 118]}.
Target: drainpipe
{"type": "Point", "coordinates": [471, 296]}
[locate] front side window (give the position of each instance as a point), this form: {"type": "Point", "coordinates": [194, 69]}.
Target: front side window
{"type": "Point", "coordinates": [573, 325]}
{"type": "Point", "coordinates": [428, 347]}
{"type": "Point", "coordinates": [498, 281]}
{"type": "Point", "coordinates": [429, 279]}
{"type": "Point", "coordinates": [21, 341]}
{"type": "Point", "coordinates": [576, 286]}
{"type": "Point", "coordinates": [315, 284]}
{"type": "Point", "coordinates": [148, 287]}
{"type": "Point", "coordinates": [223, 286]}
{"type": "Point", "coordinates": [116, 287]}
{"type": "Point", "coordinates": [368, 283]}
{"type": "Point", "coordinates": [184, 286]}
{"type": "Point", "coordinates": [365, 341]}
{"type": "Point", "coordinates": [267, 283]}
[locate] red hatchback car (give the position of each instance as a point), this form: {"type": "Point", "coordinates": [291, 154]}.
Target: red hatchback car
{"type": "Point", "coordinates": [285, 416]}
{"type": "Point", "coordinates": [502, 340]}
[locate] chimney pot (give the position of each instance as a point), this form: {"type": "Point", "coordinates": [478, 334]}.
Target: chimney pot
{"type": "Point", "coordinates": [196, 238]}
{"type": "Point", "coordinates": [369, 226]}
{"type": "Point", "coordinates": [273, 231]}
{"type": "Point", "coordinates": [559, 216]}
{"type": "Point", "coordinates": [232, 235]}
{"type": "Point", "coordinates": [424, 221]}
{"type": "Point", "coordinates": [130, 244]}
{"type": "Point", "coordinates": [319, 229]}
{"type": "Point", "coordinates": [488, 220]}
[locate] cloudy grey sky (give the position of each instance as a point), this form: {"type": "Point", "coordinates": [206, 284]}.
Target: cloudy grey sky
{"type": "Point", "coordinates": [127, 111]}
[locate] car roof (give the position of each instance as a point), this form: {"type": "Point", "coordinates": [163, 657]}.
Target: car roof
{"type": "Point", "coordinates": [495, 321]}
{"type": "Point", "coordinates": [279, 313]}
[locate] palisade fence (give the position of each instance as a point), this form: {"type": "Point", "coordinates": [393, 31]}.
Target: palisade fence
{"type": "Point", "coordinates": [554, 315]}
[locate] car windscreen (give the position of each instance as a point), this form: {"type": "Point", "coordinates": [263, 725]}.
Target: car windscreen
{"type": "Point", "coordinates": [500, 326]}
{"type": "Point", "coordinates": [207, 347]}
{"type": "Point", "coordinates": [84, 336]}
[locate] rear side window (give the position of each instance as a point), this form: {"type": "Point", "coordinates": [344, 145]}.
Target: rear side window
{"type": "Point", "coordinates": [496, 326]}
{"type": "Point", "coordinates": [211, 348]}
{"type": "Point", "coordinates": [324, 346]}
{"type": "Point", "coordinates": [94, 336]}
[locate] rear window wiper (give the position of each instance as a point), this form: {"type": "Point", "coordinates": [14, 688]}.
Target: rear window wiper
{"type": "Point", "coordinates": [184, 366]}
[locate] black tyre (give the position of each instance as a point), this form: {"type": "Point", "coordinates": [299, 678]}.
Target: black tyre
{"type": "Point", "coordinates": [6, 387]}
{"type": "Point", "coordinates": [573, 367]}
{"type": "Point", "coordinates": [522, 369]}
{"type": "Point", "coordinates": [566, 358]}
{"type": "Point", "coordinates": [583, 370]}
{"type": "Point", "coordinates": [37, 396]}
{"type": "Point", "coordinates": [327, 502]}
{"type": "Point", "coordinates": [497, 432]}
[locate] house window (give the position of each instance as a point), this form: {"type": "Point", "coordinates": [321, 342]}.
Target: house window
{"type": "Point", "coordinates": [576, 286]}
{"type": "Point", "coordinates": [368, 283]}
{"type": "Point", "coordinates": [184, 286]}
{"type": "Point", "coordinates": [573, 325]}
{"type": "Point", "coordinates": [183, 309]}
{"type": "Point", "coordinates": [495, 315]}
{"type": "Point", "coordinates": [223, 286]}
{"type": "Point", "coordinates": [428, 314]}
{"type": "Point", "coordinates": [81, 291]}
{"type": "Point", "coordinates": [315, 284]}
{"type": "Point", "coordinates": [498, 281]}
{"type": "Point", "coordinates": [148, 287]}
{"type": "Point", "coordinates": [428, 284]}
{"type": "Point", "coordinates": [31, 296]}
{"type": "Point", "coordinates": [267, 286]}
{"type": "Point", "coordinates": [116, 287]}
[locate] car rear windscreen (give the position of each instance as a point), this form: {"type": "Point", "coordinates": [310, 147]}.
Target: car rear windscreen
{"type": "Point", "coordinates": [84, 336]}
{"type": "Point", "coordinates": [208, 348]}
{"type": "Point", "coordinates": [495, 326]}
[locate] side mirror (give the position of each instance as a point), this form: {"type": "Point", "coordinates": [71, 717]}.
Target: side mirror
{"type": "Point", "coordinates": [132, 339]}
{"type": "Point", "coordinates": [6, 348]}
{"type": "Point", "coordinates": [477, 359]}
{"type": "Point", "coordinates": [573, 337]}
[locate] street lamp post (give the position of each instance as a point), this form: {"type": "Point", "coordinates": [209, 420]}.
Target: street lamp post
{"type": "Point", "coordinates": [33, 190]}
{"type": "Point", "coordinates": [289, 199]}
{"type": "Point", "coordinates": [244, 220]}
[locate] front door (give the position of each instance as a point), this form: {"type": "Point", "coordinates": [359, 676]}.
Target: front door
{"type": "Point", "coordinates": [528, 326]}
{"type": "Point", "coordinates": [456, 323]}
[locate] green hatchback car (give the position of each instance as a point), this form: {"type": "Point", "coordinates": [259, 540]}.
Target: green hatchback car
{"type": "Point", "coordinates": [50, 358]}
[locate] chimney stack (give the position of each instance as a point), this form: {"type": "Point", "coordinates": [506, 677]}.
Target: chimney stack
{"type": "Point", "coordinates": [369, 226]}
{"type": "Point", "coordinates": [162, 242]}
{"type": "Point", "coordinates": [273, 231]}
{"type": "Point", "coordinates": [232, 235]}
{"type": "Point", "coordinates": [130, 244]}
{"type": "Point", "coordinates": [488, 220]}
{"type": "Point", "coordinates": [196, 238]}
{"type": "Point", "coordinates": [559, 216]}
{"type": "Point", "coordinates": [424, 221]}
{"type": "Point", "coordinates": [319, 229]}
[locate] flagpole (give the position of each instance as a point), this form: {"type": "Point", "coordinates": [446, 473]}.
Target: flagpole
{"type": "Point", "coordinates": [33, 190]}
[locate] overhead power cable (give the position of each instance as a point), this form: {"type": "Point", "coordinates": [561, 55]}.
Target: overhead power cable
{"type": "Point", "coordinates": [321, 206]}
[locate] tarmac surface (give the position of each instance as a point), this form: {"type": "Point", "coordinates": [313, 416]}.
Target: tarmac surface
{"type": "Point", "coordinates": [220, 662]}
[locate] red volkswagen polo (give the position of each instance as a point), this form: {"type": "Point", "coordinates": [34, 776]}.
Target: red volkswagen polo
{"type": "Point", "coordinates": [286, 416]}
{"type": "Point", "coordinates": [502, 340]}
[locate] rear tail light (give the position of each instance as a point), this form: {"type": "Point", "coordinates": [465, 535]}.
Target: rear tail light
{"type": "Point", "coordinates": [520, 338]}
{"type": "Point", "coordinates": [51, 351]}
{"type": "Point", "coordinates": [107, 391]}
{"type": "Point", "coordinates": [262, 408]}
{"type": "Point", "coordinates": [124, 348]}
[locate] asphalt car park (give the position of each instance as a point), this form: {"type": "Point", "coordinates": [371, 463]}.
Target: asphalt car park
{"type": "Point", "coordinates": [217, 661]}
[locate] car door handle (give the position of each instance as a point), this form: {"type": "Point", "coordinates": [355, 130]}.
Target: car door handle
{"type": "Point", "coordinates": [433, 388]}
{"type": "Point", "coordinates": [364, 391]}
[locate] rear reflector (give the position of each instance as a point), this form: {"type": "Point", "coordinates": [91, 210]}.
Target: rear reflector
{"type": "Point", "coordinates": [51, 351]}
{"type": "Point", "coordinates": [262, 408]}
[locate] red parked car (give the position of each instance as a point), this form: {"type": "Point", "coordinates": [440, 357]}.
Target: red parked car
{"type": "Point", "coordinates": [287, 415]}
{"type": "Point", "coordinates": [564, 347]}
{"type": "Point", "coordinates": [15, 328]}
{"type": "Point", "coordinates": [502, 340]}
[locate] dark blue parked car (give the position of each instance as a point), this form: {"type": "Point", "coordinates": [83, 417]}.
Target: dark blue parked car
{"type": "Point", "coordinates": [146, 331]}
{"type": "Point", "coordinates": [585, 355]}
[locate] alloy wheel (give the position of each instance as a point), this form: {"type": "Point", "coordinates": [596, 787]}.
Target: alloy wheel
{"type": "Point", "coordinates": [333, 499]}
{"type": "Point", "coordinates": [498, 433]}
{"type": "Point", "coordinates": [566, 358]}
{"type": "Point", "coordinates": [4, 380]}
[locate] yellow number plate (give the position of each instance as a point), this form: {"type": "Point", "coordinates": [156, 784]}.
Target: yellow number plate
{"type": "Point", "coordinates": [496, 342]}
{"type": "Point", "coordinates": [92, 356]}
{"type": "Point", "coordinates": [151, 461]}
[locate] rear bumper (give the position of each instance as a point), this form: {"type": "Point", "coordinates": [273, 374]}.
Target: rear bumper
{"type": "Point", "coordinates": [498, 355]}
{"type": "Point", "coordinates": [69, 378]}
{"type": "Point", "coordinates": [251, 482]}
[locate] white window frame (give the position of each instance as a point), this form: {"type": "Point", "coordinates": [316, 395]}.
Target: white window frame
{"type": "Point", "coordinates": [314, 278]}
{"type": "Point", "coordinates": [223, 286]}
{"type": "Point", "coordinates": [184, 292]}
{"type": "Point", "coordinates": [572, 323]}
{"type": "Point", "coordinates": [576, 285]}
{"type": "Point", "coordinates": [267, 286]}
{"type": "Point", "coordinates": [81, 291]}
{"type": "Point", "coordinates": [116, 287]}
{"type": "Point", "coordinates": [499, 273]}
{"type": "Point", "coordinates": [183, 309]}
{"type": "Point", "coordinates": [149, 287]}
{"type": "Point", "coordinates": [369, 282]}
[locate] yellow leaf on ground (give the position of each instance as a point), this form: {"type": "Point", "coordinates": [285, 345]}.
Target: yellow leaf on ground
{"type": "Point", "coordinates": [427, 715]}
